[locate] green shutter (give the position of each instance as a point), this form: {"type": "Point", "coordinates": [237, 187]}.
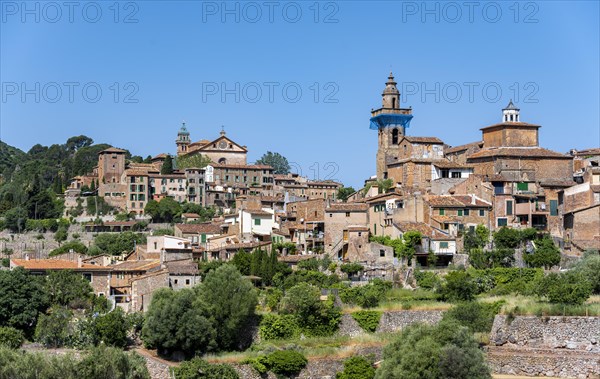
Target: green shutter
{"type": "Point", "coordinates": [443, 245]}
{"type": "Point", "coordinates": [257, 221]}
{"type": "Point", "coordinates": [509, 207]}
{"type": "Point", "coordinates": [502, 222]}
{"type": "Point", "coordinates": [460, 212]}
{"type": "Point", "coordinates": [442, 211]}
{"type": "Point", "coordinates": [203, 238]}
{"type": "Point", "coordinates": [553, 207]}
{"type": "Point", "coordinates": [522, 186]}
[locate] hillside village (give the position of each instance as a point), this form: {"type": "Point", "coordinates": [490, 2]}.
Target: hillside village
{"type": "Point", "coordinates": [421, 185]}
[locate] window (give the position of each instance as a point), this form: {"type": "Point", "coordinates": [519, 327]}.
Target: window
{"type": "Point", "coordinates": [381, 253]}
{"type": "Point", "coordinates": [187, 282]}
{"type": "Point", "coordinates": [203, 238]}
{"type": "Point", "coordinates": [460, 212]}
{"type": "Point", "coordinates": [502, 221]}
{"type": "Point", "coordinates": [482, 212]}
{"type": "Point", "coordinates": [456, 174]}
{"type": "Point", "coordinates": [472, 228]}
{"type": "Point", "coordinates": [443, 245]}
{"type": "Point", "coordinates": [442, 211]}
{"type": "Point", "coordinates": [466, 212]}
{"type": "Point", "coordinates": [445, 173]}
{"type": "Point", "coordinates": [394, 136]}
{"type": "Point", "coordinates": [257, 221]}
{"type": "Point", "coordinates": [553, 207]}
{"type": "Point", "coordinates": [155, 245]}
{"type": "Point", "coordinates": [509, 207]}
{"type": "Point", "coordinates": [522, 186]}
{"type": "Point", "coordinates": [347, 214]}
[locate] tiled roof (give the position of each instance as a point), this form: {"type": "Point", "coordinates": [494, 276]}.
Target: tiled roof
{"type": "Point", "coordinates": [450, 164]}
{"type": "Point", "coordinates": [190, 215]}
{"type": "Point", "coordinates": [382, 196]}
{"type": "Point", "coordinates": [533, 152]}
{"type": "Point", "coordinates": [459, 201]}
{"type": "Point", "coordinates": [592, 151]}
{"type": "Point", "coordinates": [557, 183]}
{"type": "Point", "coordinates": [422, 228]}
{"type": "Point", "coordinates": [259, 212]}
{"type": "Point", "coordinates": [204, 228]}
{"type": "Point", "coordinates": [467, 146]}
{"type": "Point", "coordinates": [347, 207]}
{"type": "Point", "coordinates": [141, 265]}
{"type": "Point", "coordinates": [241, 166]}
{"type": "Point", "coordinates": [182, 267]}
{"type": "Point", "coordinates": [112, 150]}
{"type": "Point", "coordinates": [243, 245]}
{"type": "Point", "coordinates": [323, 183]}
{"type": "Point", "coordinates": [523, 124]}
{"type": "Point", "coordinates": [423, 139]}
{"type": "Point", "coordinates": [54, 264]}
{"type": "Point", "coordinates": [160, 156]}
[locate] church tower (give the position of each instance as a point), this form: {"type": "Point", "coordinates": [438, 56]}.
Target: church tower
{"type": "Point", "coordinates": [391, 122]}
{"type": "Point", "coordinates": [183, 140]}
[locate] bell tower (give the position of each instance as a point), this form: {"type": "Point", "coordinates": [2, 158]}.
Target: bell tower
{"type": "Point", "coordinates": [183, 140]}
{"type": "Point", "coordinates": [391, 122]}
{"type": "Point", "coordinates": [510, 113]}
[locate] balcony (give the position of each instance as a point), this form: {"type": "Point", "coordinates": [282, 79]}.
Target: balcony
{"type": "Point", "coordinates": [530, 208]}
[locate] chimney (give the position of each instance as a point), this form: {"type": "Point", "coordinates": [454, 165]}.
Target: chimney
{"type": "Point", "coordinates": [26, 256]}
{"type": "Point", "coordinates": [79, 261]}
{"type": "Point", "coordinates": [473, 200]}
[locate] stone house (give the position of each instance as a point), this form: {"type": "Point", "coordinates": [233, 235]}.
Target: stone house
{"type": "Point", "coordinates": [198, 234]}
{"type": "Point", "coordinates": [222, 150]}
{"type": "Point", "coordinates": [454, 213]}
{"type": "Point", "coordinates": [183, 273]}
{"type": "Point", "coordinates": [434, 240]}
{"type": "Point", "coordinates": [322, 189]}
{"type": "Point", "coordinates": [346, 230]}
{"type": "Point", "coordinates": [381, 212]}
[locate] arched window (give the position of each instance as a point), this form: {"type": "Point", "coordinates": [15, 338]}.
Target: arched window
{"type": "Point", "coordinates": [394, 136]}
{"type": "Point", "coordinates": [222, 161]}
{"type": "Point", "coordinates": [511, 117]}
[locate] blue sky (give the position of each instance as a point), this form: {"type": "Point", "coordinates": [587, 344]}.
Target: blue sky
{"type": "Point", "coordinates": [242, 65]}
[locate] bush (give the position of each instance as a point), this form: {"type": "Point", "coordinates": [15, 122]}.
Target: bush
{"type": "Point", "coordinates": [11, 337]}
{"type": "Point", "coordinates": [278, 327]}
{"type": "Point", "coordinates": [110, 362]}
{"type": "Point", "coordinates": [357, 368]}
{"type": "Point", "coordinates": [112, 328]}
{"type": "Point", "coordinates": [366, 296]}
{"type": "Point", "coordinates": [286, 362]}
{"type": "Point", "coordinates": [427, 280]}
{"type": "Point", "coordinates": [478, 317]}
{"type": "Point", "coordinates": [589, 267]}
{"type": "Point", "coordinates": [546, 254]}
{"type": "Point", "coordinates": [458, 286]}
{"type": "Point", "coordinates": [76, 246]}
{"type": "Point", "coordinates": [52, 330]}
{"type": "Point", "coordinates": [316, 278]}
{"type": "Point", "coordinates": [565, 288]}
{"type": "Point", "coordinates": [198, 368]}
{"type": "Point", "coordinates": [368, 320]}
{"type": "Point", "coordinates": [504, 281]}
{"type": "Point", "coordinates": [315, 317]}
{"type": "Point", "coordinates": [352, 268]}
{"type": "Point", "coordinates": [446, 350]}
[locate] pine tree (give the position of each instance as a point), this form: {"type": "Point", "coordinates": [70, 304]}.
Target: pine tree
{"type": "Point", "coordinates": [167, 167]}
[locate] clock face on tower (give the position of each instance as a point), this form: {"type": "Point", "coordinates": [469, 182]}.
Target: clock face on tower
{"type": "Point", "coordinates": [222, 145]}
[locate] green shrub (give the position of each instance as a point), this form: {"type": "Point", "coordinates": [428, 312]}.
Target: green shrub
{"type": "Point", "coordinates": [286, 362]}
{"type": "Point", "coordinates": [112, 328]}
{"type": "Point", "coordinates": [352, 268]}
{"type": "Point", "coordinates": [52, 330]}
{"type": "Point", "coordinates": [427, 279]}
{"type": "Point", "coordinates": [546, 254]}
{"type": "Point", "coordinates": [273, 297]}
{"type": "Point", "coordinates": [504, 281]}
{"type": "Point", "coordinates": [309, 264]}
{"type": "Point", "coordinates": [565, 288]}
{"type": "Point", "coordinates": [478, 317]}
{"type": "Point", "coordinates": [76, 246]}
{"type": "Point", "coordinates": [458, 286]}
{"type": "Point", "coordinates": [589, 267]}
{"type": "Point", "coordinates": [278, 327]}
{"type": "Point", "coordinates": [368, 320]}
{"type": "Point", "coordinates": [11, 337]}
{"type": "Point", "coordinates": [357, 368]}
{"type": "Point", "coordinates": [198, 368]}
{"type": "Point", "coordinates": [366, 296]}
{"type": "Point", "coordinates": [315, 317]}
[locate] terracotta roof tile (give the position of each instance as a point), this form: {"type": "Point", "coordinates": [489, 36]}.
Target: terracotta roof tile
{"type": "Point", "coordinates": [55, 264]}
{"type": "Point", "coordinates": [467, 146]}
{"type": "Point", "coordinates": [533, 152]}
{"type": "Point", "coordinates": [141, 265]}
{"type": "Point", "coordinates": [204, 228]}
{"type": "Point", "coordinates": [434, 140]}
{"type": "Point", "coordinates": [347, 207]}
{"type": "Point", "coordinates": [459, 201]}
{"type": "Point", "coordinates": [504, 124]}
{"type": "Point", "coordinates": [422, 228]}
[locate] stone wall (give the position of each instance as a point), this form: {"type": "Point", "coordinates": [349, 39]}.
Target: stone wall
{"type": "Point", "coordinates": [555, 332]}
{"type": "Point", "coordinates": [392, 321]}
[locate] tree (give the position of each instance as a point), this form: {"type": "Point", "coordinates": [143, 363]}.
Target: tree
{"type": "Point", "coordinates": [384, 185]}
{"type": "Point", "coordinates": [61, 235]}
{"type": "Point", "coordinates": [165, 210]}
{"type": "Point", "coordinates": [344, 193]}
{"type": "Point", "coordinates": [52, 330]}
{"type": "Point", "coordinates": [242, 260]}
{"type": "Point", "coordinates": [167, 166]}
{"type": "Point", "coordinates": [546, 254]}
{"type": "Point", "coordinates": [178, 321]}
{"type": "Point", "coordinates": [231, 301]}
{"type": "Point", "coordinates": [116, 243]}
{"type": "Point", "coordinates": [14, 219]}
{"type": "Point", "coordinates": [315, 317]}
{"type": "Point", "coordinates": [589, 267]}
{"type": "Point", "coordinates": [11, 337]}
{"type": "Point", "coordinates": [458, 286]}
{"type": "Point", "coordinates": [76, 143]}
{"type": "Point", "coordinates": [22, 298]}
{"type": "Point", "coordinates": [357, 367]}
{"type": "Point", "coordinates": [68, 288]}
{"type": "Point", "coordinates": [507, 238]}
{"type": "Point", "coordinates": [569, 287]}
{"type": "Point", "coordinates": [198, 368]}
{"type": "Point", "coordinates": [112, 328]}
{"type": "Point", "coordinates": [279, 163]}
{"type": "Point", "coordinates": [445, 351]}
{"type": "Point", "coordinates": [192, 161]}
{"type": "Point", "coordinates": [476, 239]}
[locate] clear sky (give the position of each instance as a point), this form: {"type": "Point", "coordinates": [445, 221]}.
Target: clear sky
{"type": "Point", "coordinates": [244, 64]}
